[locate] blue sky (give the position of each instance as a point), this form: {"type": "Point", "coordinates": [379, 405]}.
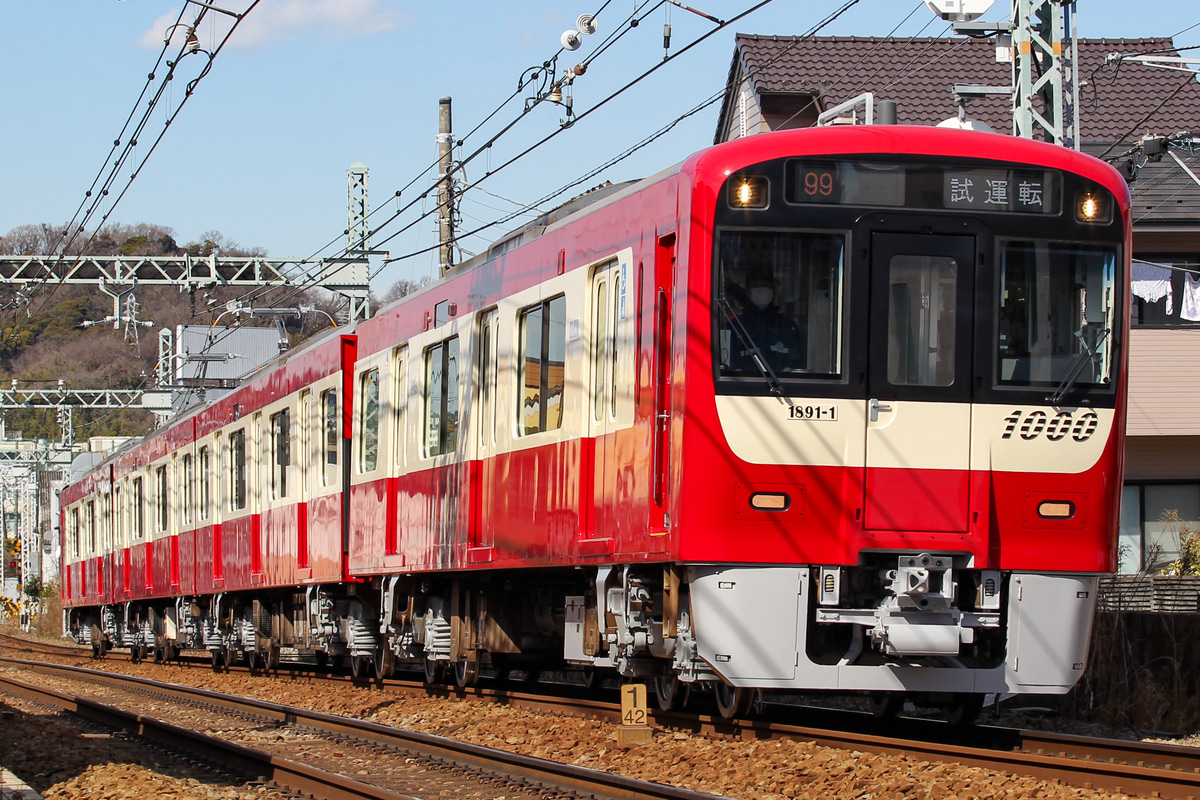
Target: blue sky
{"type": "Point", "coordinates": [305, 88]}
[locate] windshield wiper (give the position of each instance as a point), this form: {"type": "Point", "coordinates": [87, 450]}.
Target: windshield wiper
{"type": "Point", "coordinates": [1089, 354]}
{"type": "Point", "coordinates": [749, 347]}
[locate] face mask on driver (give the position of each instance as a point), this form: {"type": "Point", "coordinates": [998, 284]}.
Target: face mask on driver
{"type": "Point", "coordinates": [762, 296]}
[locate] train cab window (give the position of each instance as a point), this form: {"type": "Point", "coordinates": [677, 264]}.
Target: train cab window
{"type": "Point", "coordinates": [779, 294]}
{"type": "Point", "coordinates": [329, 424]}
{"type": "Point", "coordinates": [138, 517]}
{"type": "Point", "coordinates": [1057, 313]}
{"type": "Point", "coordinates": [205, 489]}
{"type": "Point", "coordinates": [922, 309]}
{"type": "Point", "coordinates": [281, 452]}
{"type": "Point", "coordinates": [441, 398]}
{"type": "Point", "coordinates": [160, 498]}
{"type": "Point", "coordinates": [368, 423]}
{"type": "Point", "coordinates": [542, 365]}
{"type": "Point", "coordinates": [237, 470]}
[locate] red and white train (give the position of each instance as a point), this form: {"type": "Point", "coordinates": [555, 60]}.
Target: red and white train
{"type": "Point", "coordinates": [830, 409]}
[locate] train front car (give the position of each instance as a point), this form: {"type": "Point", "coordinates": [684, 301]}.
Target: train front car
{"type": "Point", "coordinates": [907, 479]}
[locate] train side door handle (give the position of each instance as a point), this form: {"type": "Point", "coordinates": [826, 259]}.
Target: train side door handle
{"type": "Point", "coordinates": [876, 407]}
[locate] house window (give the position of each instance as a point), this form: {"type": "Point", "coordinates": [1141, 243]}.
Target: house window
{"type": "Point", "coordinates": [542, 361]}
{"type": "Point", "coordinates": [1155, 517]}
{"type": "Point", "coordinates": [441, 398]}
{"type": "Point", "coordinates": [281, 452]}
{"type": "Point", "coordinates": [368, 456]}
{"type": "Point", "coordinates": [237, 470]}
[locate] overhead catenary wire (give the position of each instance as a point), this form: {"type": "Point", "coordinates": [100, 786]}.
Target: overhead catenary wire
{"type": "Point", "coordinates": [133, 140]}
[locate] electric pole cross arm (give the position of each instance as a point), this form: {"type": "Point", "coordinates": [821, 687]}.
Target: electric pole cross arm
{"type": "Point", "coordinates": [347, 276]}
{"type": "Point", "coordinates": [84, 398]}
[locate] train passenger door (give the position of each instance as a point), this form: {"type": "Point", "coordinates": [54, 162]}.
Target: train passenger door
{"type": "Point", "coordinates": [918, 442]}
{"type": "Point", "coordinates": [664, 279]}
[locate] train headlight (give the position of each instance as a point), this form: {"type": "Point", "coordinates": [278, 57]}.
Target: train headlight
{"type": "Point", "coordinates": [1093, 208]}
{"type": "Point", "coordinates": [748, 192]}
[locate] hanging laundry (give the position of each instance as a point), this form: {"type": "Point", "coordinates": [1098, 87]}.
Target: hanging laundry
{"type": "Point", "coordinates": [1190, 307]}
{"type": "Point", "coordinates": [1152, 283]}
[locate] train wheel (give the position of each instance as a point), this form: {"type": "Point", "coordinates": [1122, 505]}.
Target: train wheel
{"type": "Point", "coordinates": [385, 663]}
{"type": "Point", "coordinates": [964, 709]}
{"type": "Point", "coordinates": [96, 650]}
{"type": "Point", "coordinates": [886, 705]}
{"type": "Point", "coordinates": [670, 692]}
{"type": "Point", "coordinates": [733, 701]}
{"type": "Point", "coordinates": [271, 658]}
{"type": "Point", "coordinates": [466, 672]}
{"type": "Point", "coordinates": [434, 672]}
{"type": "Point", "coordinates": [218, 659]}
{"type": "Point", "coordinates": [137, 653]}
{"type": "Point", "coordinates": [360, 667]}
{"type": "Point", "coordinates": [159, 655]}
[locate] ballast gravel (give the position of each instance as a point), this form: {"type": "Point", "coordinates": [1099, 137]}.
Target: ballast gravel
{"type": "Point", "coordinates": [68, 767]}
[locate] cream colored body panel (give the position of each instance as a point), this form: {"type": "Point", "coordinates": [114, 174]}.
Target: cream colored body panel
{"type": "Point", "coordinates": [915, 435]}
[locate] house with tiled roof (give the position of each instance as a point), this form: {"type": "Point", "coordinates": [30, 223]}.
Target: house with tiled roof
{"type": "Point", "coordinates": [780, 82]}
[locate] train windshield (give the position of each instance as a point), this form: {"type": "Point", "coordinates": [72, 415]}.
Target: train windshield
{"type": "Point", "coordinates": [1057, 315]}
{"type": "Point", "coordinates": [779, 304]}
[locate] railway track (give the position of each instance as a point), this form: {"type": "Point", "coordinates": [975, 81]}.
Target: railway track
{"type": "Point", "coordinates": [1113, 765]}
{"type": "Point", "coordinates": [457, 761]}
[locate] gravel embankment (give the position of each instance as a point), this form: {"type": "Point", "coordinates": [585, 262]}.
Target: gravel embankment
{"type": "Point", "coordinates": [770, 770]}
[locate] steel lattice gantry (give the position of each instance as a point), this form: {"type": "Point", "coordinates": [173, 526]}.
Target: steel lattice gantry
{"type": "Point", "coordinates": [344, 276]}
{"type": "Point", "coordinates": [65, 401]}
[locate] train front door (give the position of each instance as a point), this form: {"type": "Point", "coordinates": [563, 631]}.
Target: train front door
{"type": "Point", "coordinates": [918, 440]}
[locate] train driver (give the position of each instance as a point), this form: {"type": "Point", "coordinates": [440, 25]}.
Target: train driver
{"type": "Point", "coordinates": [773, 332]}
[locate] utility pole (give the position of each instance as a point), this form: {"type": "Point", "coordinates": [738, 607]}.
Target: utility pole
{"type": "Point", "coordinates": [1045, 67]}
{"type": "Point", "coordinates": [445, 140]}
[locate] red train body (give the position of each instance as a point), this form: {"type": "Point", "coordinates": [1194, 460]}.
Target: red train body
{"type": "Point", "coordinates": [827, 409]}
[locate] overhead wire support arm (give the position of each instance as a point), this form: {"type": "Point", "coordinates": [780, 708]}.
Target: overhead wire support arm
{"type": "Point", "coordinates": [211, 7]}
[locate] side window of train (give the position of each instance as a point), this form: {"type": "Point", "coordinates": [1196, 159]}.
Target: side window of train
{"type": "Point", "coordinates": [329, 424]}
{"type": "Point", "coordinates": [542, 362]}
{"type": "Point", "coordinates": [106, 521]}
{"type": "Point", "coordinates": [368, 423]}
{"type": "Point", "coordinates": [91, 527]}
{"type": "Point", "coordinates": [138, 517]}
{"type": "Point", "coordinates": [488, 376]}
{"type": "Point", "coordinates": [237, 470]}
{"type": "Point", "coordinates": [281, 451]}
{"type": "Point", "coordinates": [205, 487]}
{"type": "Point", "coordinates": [399, 404]}
{"type": "Point", "coordinates": [606, 316]}
{"type": "Point", "coordinates": [302, 443]}
{"type": "Point", "coordinates": [119, 517]}
{"type": "Point", "coordinates": [75, 533]}
{"type": "Point", "coordinates": [188, 493]}
{"type": "Point", "coordinates": [441, 398]}
{"type": "Point", "coordinates": [160, 498]}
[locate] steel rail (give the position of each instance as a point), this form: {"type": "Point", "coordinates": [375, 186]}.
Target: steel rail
{"type": "Point", "coordinates": [229, 755]}
{"type": "Point", "coordinates": [1111, 764]}
{"type": "Point", "coordinates": [513, 766]}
